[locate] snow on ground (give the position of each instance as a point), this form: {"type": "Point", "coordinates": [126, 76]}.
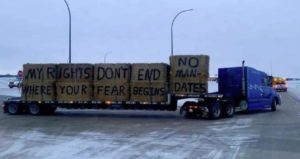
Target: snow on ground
{"type": "Point", "coordinates": [221, 140]}
{"type": "Point", "coordinates": [294, 84]}
{"type": "Point", "coordinates": [294, 89]}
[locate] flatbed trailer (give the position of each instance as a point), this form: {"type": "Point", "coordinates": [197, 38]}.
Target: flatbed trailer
{"type": "Point", "coordinates": [211, 105]}
{"type": "Point", "coordinates": [239, 89]}
{"type": "Point", "coordinates": [200, 106]}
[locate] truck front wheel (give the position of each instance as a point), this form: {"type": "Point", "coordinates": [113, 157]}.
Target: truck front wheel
{"type": "Point", "coordinates": [274, 105]}
{"type": "Point", "coordinates": [13, 109]}
{"type": "Point", "coordinates": [215, 110]}
{"type": "Point", "coordinates": [34, 109]}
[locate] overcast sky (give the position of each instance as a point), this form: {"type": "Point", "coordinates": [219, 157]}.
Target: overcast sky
{"type": "Point", "coordinates": [265, 33]}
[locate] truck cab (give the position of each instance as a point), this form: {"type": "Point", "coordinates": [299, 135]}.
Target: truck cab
{"type": "Point", "coordinates": [249, 88]}
{"type": "Point", "coordinates": [239, 89]}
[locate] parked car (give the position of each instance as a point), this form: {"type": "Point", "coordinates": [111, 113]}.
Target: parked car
{"type": "Point", "coordinates": [15, 83]}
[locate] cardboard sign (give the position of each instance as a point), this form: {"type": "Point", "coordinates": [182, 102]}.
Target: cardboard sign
{"type": "Point", "coordinates": [112, 73]}
{"type": "Point", "coordinates": [149, 92]}
{"type": "Point", "coordinates": [155, 72]}
{"type": "Point", "coordinates": [75, 72]}
{"type": "Point", "coordinates": [117, 92]}
{"type": "Point", "coordinates": [39, 72]}
{"type": "Point", "coordinates": [38, 91]}
{"type": "Point", "coordinates": [189, 74]}
{"type": "Point", "coordinates": [74, 91]}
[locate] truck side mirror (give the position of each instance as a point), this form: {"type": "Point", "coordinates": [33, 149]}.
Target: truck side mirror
{"type": "Point", "coordinates": [269, 80]}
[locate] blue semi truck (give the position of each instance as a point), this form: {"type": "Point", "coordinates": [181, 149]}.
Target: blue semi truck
{"type": "Point", "coordinates": [240, 89]}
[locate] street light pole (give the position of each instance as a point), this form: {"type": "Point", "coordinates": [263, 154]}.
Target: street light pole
{"type": "Point", "coordinates": [172, 27]}
{"type": "Point", "coordinates": [70, 51]}
{"type": "Point", "coordinates": [105, 55]}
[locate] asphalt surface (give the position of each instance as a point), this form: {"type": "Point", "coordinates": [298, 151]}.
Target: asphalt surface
{"type": "Point", "coordinates": [153, 134]}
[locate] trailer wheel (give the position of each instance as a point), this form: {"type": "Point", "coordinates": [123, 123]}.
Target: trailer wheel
{"type": "Point", "coordinates": [13, 109]}
{"type": "Point", "coordinates": [34, 109]}
{"type": "Point", "coordinates": [215, 110]}
{"type": "Point", "coordinates": [228, 110]}
{"type": "Point", "coordinates": [274, 105]}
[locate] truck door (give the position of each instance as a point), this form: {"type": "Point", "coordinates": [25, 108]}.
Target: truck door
{"type": "Point", "coordinates": [258, 92]}
{"type": "Point", "coordinates": [267, 92]}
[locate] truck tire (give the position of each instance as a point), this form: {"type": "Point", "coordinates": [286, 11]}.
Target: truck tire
{"type": "Point", "coordinates": [34, 109]}
{"type": "Point", "coordinates": [244, 105]}
{"type": "Point", "coordinates": [185, 112]}
{"type": "Point", "coordinates": [274, 105]}
{"type": "Point", "coordinates": [214, 110]}
{"type": "Point", "coordinates": [13, 109]}
{"type": "Point", "coordinates": [228, 110]}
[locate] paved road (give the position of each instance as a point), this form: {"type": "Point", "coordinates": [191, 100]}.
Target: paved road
{"type": "Point", "coordinates": [142, 134]}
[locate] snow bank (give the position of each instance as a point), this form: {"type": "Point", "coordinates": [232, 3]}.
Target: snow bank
{"type": "Point", "coordinates": [294, 87]}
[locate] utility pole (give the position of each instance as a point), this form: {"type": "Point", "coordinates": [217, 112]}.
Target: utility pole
{"type": "Point", "coordinates": [70, 47]}
{"type": "Point", "coordinates": [172, 27]}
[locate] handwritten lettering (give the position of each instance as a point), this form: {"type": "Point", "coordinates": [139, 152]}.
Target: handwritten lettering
{"type": "Point", "coordinates": [148, 91]}
{"type": "Point", "coordinates": [112, 73]}
{"type": "Point", "coordinates": [190, 87]}
{"type": "Point", "coordinates": [34, 73]}
{"type": "Point", "coordinates": [73, 90]}
{"type": "Point", "coordinates": [37, 90]}
{"type": "Point", "coordinates": [111, 90]}
{"type": "Point", "coordinates": [188, 61]}
{"type": "Point", "coordinates": [71, 73]}
{"type": "Point", "coordinates": [51, 72]}
{"type": "Point", "coordinates": [186, 73]}
{"type": "Point", "coordinates": [148, 74]}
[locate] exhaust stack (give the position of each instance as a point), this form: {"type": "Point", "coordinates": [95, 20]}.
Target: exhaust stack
{"type": "Point", "coordinates": [243, 79]}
